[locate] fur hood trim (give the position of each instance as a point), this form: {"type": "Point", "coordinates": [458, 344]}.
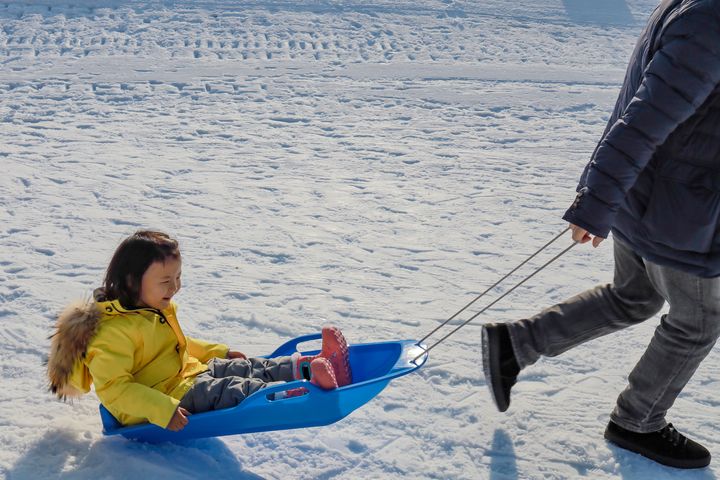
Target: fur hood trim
{"type": "Point", "coordinates": [75, 328]}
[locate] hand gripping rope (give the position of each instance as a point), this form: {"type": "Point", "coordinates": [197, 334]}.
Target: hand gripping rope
{"type": "Point", "coordinates": [426, 350]}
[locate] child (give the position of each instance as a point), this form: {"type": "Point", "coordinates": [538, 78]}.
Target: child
{"type": "Point", "coordinates": [129, 344]}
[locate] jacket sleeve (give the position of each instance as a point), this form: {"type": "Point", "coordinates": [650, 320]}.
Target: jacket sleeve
{"type": "Point", "coordinates": [204, 351]}
{"type": "Point", "coordinates": [681, 75]}
{"type": "Point", "coordinates": [110, 361]}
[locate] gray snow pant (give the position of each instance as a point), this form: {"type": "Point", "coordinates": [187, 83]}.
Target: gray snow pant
{"type": "Point", "coordinates": [230, 381]}
{"type": "Point", "coordinates": [639, 289]}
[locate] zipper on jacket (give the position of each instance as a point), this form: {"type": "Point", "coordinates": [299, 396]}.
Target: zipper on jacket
{"type": "Point", "coordinates": [163, 318]}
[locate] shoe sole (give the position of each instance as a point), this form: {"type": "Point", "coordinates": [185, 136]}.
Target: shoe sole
{"type": "Point", "coordinates": [322, 374]}
{"type": "Point", "coordinates": [669, 461]}
{"type": "Point", "coordinates": [490, 360]}
{"type": "Point", "coordinates": [343, 373]}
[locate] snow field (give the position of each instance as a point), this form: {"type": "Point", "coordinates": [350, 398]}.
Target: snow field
{"type": "Point", "coordinates": [371, 165]}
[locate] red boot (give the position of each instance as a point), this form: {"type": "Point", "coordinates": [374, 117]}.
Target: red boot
{"type": "Point", "coordinates": [334, 349]}
{"type": "Point", "coordinates": [322, 374]}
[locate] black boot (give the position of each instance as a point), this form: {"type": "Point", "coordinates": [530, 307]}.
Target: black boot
{"type": "Point", "coordinates": [501, 367]}
{"type": "Point", "coordinates": [666, 446]}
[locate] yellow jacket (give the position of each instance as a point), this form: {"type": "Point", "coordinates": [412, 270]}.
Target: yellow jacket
{"type": "Point", "coordinates": [139, 360]}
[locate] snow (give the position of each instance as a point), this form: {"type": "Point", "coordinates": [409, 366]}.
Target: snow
{"type": "Point", "coordinates": [375, 165]}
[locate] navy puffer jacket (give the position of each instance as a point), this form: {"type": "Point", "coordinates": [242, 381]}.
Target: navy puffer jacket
{"type": "Point", "coordinates": [654, 178]}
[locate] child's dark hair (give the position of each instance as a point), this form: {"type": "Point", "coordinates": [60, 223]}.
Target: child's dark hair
{"type": "Point", "coordinates": [131, 259]}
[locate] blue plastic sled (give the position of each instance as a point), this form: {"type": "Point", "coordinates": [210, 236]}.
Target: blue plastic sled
{"type": "Point", "coordinates": [373, 366]}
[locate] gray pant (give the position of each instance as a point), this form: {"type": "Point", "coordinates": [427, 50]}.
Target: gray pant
{"type": "Point", "coordinates": [640, 288]}
{"type": "Point", "coordinates": [230, 381]}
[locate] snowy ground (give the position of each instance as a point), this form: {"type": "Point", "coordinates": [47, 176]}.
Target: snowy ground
{"type": "Point", "coordinates": [373, 164]}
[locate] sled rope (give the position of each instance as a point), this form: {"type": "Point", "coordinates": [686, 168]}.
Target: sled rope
{"type": "Point", "coordinates": [426, 350]}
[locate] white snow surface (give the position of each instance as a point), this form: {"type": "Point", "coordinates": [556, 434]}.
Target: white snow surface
{"type": "Point", "coordinates": [371, 164]}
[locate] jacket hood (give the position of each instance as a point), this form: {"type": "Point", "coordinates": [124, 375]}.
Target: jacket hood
{"type": "Point", "coordinates": [75, 328]}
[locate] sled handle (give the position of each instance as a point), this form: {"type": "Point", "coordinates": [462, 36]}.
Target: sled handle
{"type": "Point", "coordinates": [290, 347]}
{"type": "Point", "coordinates": [260, 398]}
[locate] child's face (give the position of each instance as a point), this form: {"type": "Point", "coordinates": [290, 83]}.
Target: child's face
{"type": "Point", "coordinates": [159, 283]}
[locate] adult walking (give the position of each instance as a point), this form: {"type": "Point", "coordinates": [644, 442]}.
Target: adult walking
{"type": "Point", "coordinates": [654, 181]}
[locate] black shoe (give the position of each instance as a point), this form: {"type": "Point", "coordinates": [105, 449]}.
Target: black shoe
{"type": "Point", "coordinates": [501, 368]}
{"type": "Point", "coordinates": [666, 446]}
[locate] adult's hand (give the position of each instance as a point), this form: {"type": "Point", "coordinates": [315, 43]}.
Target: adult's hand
{"type": "Point", "coordinates": [581, 235]}
{"type": "Point", "coordinates": [178, 420]}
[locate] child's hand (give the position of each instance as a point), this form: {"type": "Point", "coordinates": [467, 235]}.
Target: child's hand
{"type": "Point", "coordinates": [179, 420]}
{"type": "Point", "coordinates": [233, 354]}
